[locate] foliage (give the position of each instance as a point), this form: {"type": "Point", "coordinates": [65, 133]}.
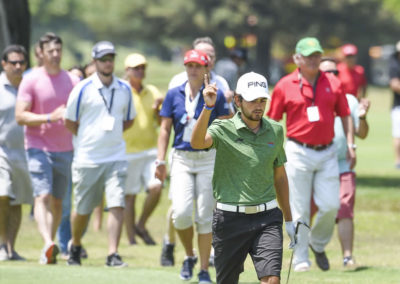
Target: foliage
{"type": "Point", "coordinates": [158, 26]}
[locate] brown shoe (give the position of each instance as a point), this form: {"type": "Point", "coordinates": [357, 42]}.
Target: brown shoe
{"type": "Point", "coordinates": [145, 236]}
{"type": "Point", "coordinates": [321, 259]}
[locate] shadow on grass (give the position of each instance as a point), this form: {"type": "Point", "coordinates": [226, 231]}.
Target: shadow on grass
{"type": "Point", "coordinates": [358, 269]}
{"type": "Point", "coordinates": [379, 181]}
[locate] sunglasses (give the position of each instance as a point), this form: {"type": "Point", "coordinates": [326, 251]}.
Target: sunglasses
{"type": "Point", "coordinates": [106, 58]}
{"type": "Point", "coordinates": [15, 62]}
{"type": "Point", "coordinates": [335, 72]}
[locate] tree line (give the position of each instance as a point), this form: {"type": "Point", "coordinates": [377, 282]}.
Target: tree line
{"type": "Point", "coordinates": [160, 25]}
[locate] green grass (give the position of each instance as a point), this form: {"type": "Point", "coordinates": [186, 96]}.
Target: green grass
{"type": "Point", "coordinates": [377, 224]}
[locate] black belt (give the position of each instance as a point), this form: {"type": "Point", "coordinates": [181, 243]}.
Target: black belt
{"type": "Point", "coordinates": [314, 147]}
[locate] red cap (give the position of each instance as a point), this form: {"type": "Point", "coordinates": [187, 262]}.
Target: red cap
{"type": "Point", "coordinates": [349, 49]}
{"type": "Point", "coordinates": [196, 56]}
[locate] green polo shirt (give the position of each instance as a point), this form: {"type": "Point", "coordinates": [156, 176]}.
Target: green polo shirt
{"type": "Point", "coordinates": [245, 161]}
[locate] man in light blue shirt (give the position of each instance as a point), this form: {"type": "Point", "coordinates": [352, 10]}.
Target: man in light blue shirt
{"type": "Point", "coordinates": [347, 175]}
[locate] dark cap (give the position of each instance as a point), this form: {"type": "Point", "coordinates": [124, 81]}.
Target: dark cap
{"type": "Point", "coordinates": [102, 48]}
{"type": "Point", "coordinates": [239, 53]}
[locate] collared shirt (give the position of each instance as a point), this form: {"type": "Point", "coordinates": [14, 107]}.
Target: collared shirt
{"type": "Point", "coordinates": [11, 134]}
{"type": "Point", "coordinates": [340, 139]}
{"type": "Point", "coordinates": [143, 134]}
{"type": "Point", "coordinates": [93, 144]}
{"type": "Point", "coordinates": [46, 92]}
{"type": "Point", "coordinates": [245, 161]}
{"type": "Point", "coordinates": [293, 97]}
{"type": "Point", "coordinates": [174, 107]}
{"type": "Point", "coordinates": [352, 79]}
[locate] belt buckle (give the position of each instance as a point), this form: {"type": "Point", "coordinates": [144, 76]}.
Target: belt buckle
{"type": "Point", "coordinates": [251, 209]}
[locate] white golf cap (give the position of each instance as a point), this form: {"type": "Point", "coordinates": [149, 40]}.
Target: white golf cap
{"type": "Point", "coordinates": [252, 86]}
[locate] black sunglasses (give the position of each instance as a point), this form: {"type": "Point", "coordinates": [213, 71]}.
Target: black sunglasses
{"type": "Point", "coordinates": [106, 58]}
{"type": "Point", "coordinates": [335, 72]}
{"type": "Point", "coordinates": [15, 62]}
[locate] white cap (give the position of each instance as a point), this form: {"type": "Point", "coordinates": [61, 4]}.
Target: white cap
{"type": "Point", "coordinates": [398, 46]}
{"type": "Point", "coordinates": [252, 86]}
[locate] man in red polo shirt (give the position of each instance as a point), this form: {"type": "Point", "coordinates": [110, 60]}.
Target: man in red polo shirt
{"type": "Point", "coordinates": [311, 99]}
{"type": "Point", "coordinates": [352, 75]}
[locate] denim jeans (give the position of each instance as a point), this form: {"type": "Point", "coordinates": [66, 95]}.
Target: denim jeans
{"type": "Point", "coordinates": [64, 230]}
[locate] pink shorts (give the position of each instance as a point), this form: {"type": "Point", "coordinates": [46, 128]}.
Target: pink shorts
{"type": "Point", "coordinates": [347, 195]}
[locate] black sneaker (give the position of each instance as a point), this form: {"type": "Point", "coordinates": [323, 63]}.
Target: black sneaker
{"type": "Point", "coordinates": [16, 257]}
{"type": "Point", "coordinates": [321, 259]}
{"type": "Point", "coordinates": [114, 260]}
{"type": "Point", "coordinates": [84, 253]}
{"type": "Point", "coordinates": [187, 268]}
{"type": "Point", "coordinates": [167, 255]}
{"type": "Point", "coordinates": [74, 255]}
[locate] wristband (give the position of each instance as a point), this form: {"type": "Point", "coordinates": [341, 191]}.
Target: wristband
{"type": "Point", "coordinates": [48, 118]}
{"type": "Point", "coordinates": [362, 117]}
{"type": "Point", "coordinates": [209, 107]}
{"type": "Point", "coordinates": [159, 163]}
{"type": "Point", "coordinates": [352, 146]}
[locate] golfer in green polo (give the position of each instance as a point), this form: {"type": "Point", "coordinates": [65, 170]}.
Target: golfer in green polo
{"type": "Point", "coordinates": [249, 183]}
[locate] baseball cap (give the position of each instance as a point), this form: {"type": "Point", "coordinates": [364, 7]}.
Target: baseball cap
{"type": "Point", "coordinates": [308, 45]}
{"type": "Point", "coordinates": [398, 46]}
{"type": "Point", "coordinates": [252, 86]}
{"type": "Point", "coordinates": [197, 56]}
{"type": "Point", "coordinates": [349, 49]}
{"type": "Point", "coordinates": [239, 53]}
{"type": "Point", "coordinates": [102, 48]}
{"type": "Point", "coordinates": [135, 59]}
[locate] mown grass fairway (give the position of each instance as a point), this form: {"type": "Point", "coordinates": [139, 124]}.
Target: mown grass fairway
{"type": "Point", "coordinates": [377, 231]}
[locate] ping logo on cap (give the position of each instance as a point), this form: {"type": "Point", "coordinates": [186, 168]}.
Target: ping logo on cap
{"type": "Point", "coordinates": [256, 84]}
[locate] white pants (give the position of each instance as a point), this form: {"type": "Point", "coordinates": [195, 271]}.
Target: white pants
{"type": "Point", "coordinates": [191, 187]}
{"type": "Point", "coordinates": [312, 174]}
{"type": "Point", "coordinates": [395, 114]}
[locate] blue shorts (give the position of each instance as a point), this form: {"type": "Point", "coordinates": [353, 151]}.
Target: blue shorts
{"type": "Point", "coordinates": [50, 172]}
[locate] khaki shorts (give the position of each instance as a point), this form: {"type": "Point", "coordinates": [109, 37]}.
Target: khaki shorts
{"type": "Point", "coordinates": [90, 183]}
{"type": "Point", "coordinates": [15, 181]}
{"type": "Point", "coordinates": [141, 173]}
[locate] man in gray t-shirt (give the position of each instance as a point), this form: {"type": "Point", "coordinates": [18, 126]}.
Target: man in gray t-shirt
{"type": "Point", "coordinates": [15, 185]}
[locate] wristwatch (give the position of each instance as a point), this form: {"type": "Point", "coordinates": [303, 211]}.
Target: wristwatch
{"type": "Point", "coordinates": [352, 146]}
{"type": "Point", "coordinates": [159, 162]}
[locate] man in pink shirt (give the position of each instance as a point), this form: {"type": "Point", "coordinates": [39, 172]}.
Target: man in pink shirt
{"type": "Point", "coordinates": [40, 106]}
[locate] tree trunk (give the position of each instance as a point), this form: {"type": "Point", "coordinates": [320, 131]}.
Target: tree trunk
{"type": "Point", "coordinates": [15, 23]}
{"type": "Point", "coordinates": [263, 53]}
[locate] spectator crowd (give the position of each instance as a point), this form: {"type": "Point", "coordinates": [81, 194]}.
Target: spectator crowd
{"type": "Point", "coordinates": [77, 142]}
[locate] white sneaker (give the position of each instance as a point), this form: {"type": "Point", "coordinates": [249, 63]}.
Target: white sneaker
{"type": "Point", "coordinates": [302, 267]}
{"type": "Point", "coordinates": [3, 253]}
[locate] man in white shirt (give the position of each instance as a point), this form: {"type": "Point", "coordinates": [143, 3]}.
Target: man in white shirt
{"type": "Point", "coordinates": [99, 109]}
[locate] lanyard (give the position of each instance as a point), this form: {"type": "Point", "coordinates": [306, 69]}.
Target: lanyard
{"type": "Point", "coordinates": [190, 106]}
{"type": "Point", "coordinates": [300, 77]}
{"type": "Point", "coordinates": [105, 102]}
